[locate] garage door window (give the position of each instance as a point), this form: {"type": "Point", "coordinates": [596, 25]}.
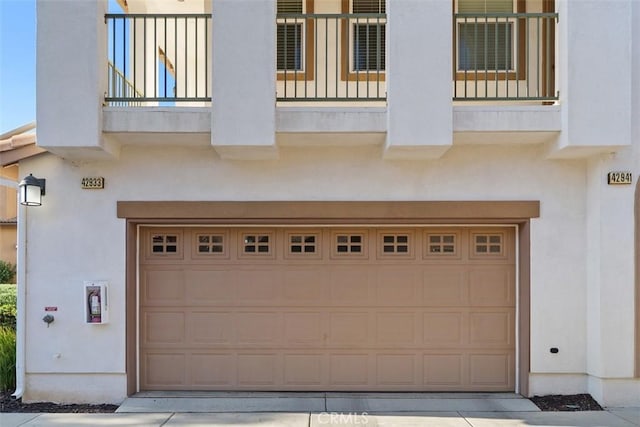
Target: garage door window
{"type": "Point", "coordinates": [395, 244]}
{"type": "Point", "coordinates": [442, 244]}
{"type": "Point", "coordinates": [488, 244]}
{"type": "Point", "coordinates": [257, 244]}
{"type": "Point", "coordinates": [164, 244]}
{"type": "Point", "coordinates": [303, 244]}
{"type": "Point", "coordinates": [348, 245]}
{"type": "Point", "coordinates": [211, 244]}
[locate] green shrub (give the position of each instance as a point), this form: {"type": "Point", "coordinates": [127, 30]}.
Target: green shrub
{"type": "Point", "coordinates": [7, 359]}
{"type": "Point", "coordinates": [8, 300]}
{"type": "Point", "coordinates": [7, 272]}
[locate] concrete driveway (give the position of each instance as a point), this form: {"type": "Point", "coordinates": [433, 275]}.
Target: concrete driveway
{"type": "Point", "coordinates": [155, 409]}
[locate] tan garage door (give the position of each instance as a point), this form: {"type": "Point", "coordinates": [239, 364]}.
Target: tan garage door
{"type": "Point", "coordinates": [327, 309]}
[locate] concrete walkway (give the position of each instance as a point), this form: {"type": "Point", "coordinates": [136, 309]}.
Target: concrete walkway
{"type": "Point", "coordinates": [330, 409]}
{"type": "Point", "coordinates": [614, 418]}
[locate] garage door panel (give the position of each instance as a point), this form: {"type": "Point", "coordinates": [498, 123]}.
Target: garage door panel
{"type": "Point", "coordinates": [444, 328]}
{"type": "Point", "coordinates": [164, 327]}
{"type": "Point", "coordinates": [490, 329]}
{"type": "Point", "coordinates": [304, 329]}
{"type": "Point", "coordinates": [443, 369]}
{"type": "Point", "coordinates": [258, 286]}
{"type": "Point", "coordinates": [491, 370]}
{"type": "Point", "coordinates": [304, 286]}
{"type": "Point", "coordinates": [210, 327]}
{"type": "Point", "coordinates": [212, 370]}
{"type": "Point", "coordinates": [257, 328]}
{"type": "Point", "coordinates": [162, 287]}
{"type": "Point", "coordinates": [397, 329]}
{"type": "Point", "coordinates": [303, 369]}
{"type": "Point", "coordinates": [257, 369]}
{"type": "Point", "coordinates": [491, 286]}
{"type": "Point", "coordinates": [348, 329]}
{"type": "Point", "coordinates": [444, 286]}
{"type": "Point", "coordinates": [350, 286]}
{"type": "Point", "coordinates": [164, 370]}
{"type": "Point", "coordinates": [396, 369]}
{"type": "Point", "coordinates": [397, 286]}
{"type": "Point", "coordinates": [349, 369]}
{"type": "Point", "coordinates": [210, 287]}
{"type": "Point", "coordinates": [431, 312]}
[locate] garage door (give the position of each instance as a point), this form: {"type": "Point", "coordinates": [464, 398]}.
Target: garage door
{"type": "Point", "coordinates": [334, 308]}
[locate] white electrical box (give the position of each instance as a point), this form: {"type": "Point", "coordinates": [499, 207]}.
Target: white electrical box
{"type": "Point", "coordinates": [96, 302]}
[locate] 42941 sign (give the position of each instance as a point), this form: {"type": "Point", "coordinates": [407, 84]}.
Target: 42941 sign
{"type": "Point", "coordinates": [617, 178]}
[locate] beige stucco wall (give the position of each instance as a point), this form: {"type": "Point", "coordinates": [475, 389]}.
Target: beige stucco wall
{"type": "Point", "coordinates": [8, 243]}
{"type": "Point", "coordinates": [8, 208]}
{"type": "Point", "coordinates": [8, 204]}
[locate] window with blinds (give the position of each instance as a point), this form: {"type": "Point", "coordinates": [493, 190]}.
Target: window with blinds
{"type": "Point", "coordinates": [485, 6]}
{"type": "Point", "coordinates": [289, 36]}
{"type": "Point", "coordinates": [369, 47]}
{"type": "Point", "coordinates": [368, 6]}
{"type": "Point", "coordinates": [289, 6]}
{"type": "Point", "coordinates": [485, 41]}
{"type": "Point", "coordinates": [368, 36]}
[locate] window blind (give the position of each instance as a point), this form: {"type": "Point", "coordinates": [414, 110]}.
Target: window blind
{"type": "Point", "coordinates": [289, 6]}
{"type": "Point", "coordinates": [289, 51]}
{"type": "Point", "coordinates": [485, 46]}
{"type": "Point", "coordinates": [369, 47]}
{"type": "Point", "coordinates": [485, 6]}
{"type": "Point", "coordinates": [368, 6]}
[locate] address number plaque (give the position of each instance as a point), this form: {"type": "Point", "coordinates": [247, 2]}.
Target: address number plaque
{"type": "Point", "coordinates": [618, 178]}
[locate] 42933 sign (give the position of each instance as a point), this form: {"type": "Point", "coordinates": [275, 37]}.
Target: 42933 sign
{"type": "Point", "coordinates": [619, 178]}
{"type": "Point", "coordinates": [93, 183]}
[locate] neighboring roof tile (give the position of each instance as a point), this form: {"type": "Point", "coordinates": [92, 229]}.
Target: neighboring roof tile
{"type": "Point", "coordinates": [17, 145]}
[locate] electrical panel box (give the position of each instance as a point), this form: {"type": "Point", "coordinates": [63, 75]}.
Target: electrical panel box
{"type": "Point", "coordinates": [96, 303]}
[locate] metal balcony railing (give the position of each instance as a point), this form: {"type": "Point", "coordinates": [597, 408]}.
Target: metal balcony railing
{"type": "Point", "coordinates": [331, 57]}
{"type": "Point", "coordinates": [164, 59]}
{"type": "Point", "coordinates": [504, 57]}
{"type": "Point", "coordinates": [158, 59]}
{"type": "Point", "coordinates": [118, 84]}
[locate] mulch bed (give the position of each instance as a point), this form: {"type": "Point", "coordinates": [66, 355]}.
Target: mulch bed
{"type": "Point", "coordinates": [570, 402]}
{"type": "Point", "coordinates": [9, 404]}
{"type": "Point", "coordinates": [555, 402]}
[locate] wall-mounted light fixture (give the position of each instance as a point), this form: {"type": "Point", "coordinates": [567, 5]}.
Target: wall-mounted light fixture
{"type": "Point", "coordinates": [31, 190]}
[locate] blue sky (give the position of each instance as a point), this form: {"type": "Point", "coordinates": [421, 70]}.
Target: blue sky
{"type": "Point", "coordinates": [17, 63]}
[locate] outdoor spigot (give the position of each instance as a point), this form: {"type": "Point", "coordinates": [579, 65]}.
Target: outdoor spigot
{"type": "Point", "coordinates": [48, 319]}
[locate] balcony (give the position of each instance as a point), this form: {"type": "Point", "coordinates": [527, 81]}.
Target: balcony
{"type": "Point", "coordinates": [158, 60]}
{"type": "Point", "coordinates": [329, 78]}
{"type": "Point", "coordinates": [165, 59]}
{"type": "Point", "coordinates": [331, 57]}
{"type": "Point", "coordinates": [504, 57]}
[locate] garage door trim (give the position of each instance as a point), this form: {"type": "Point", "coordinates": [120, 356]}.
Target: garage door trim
{"type": "Point", "coordinates": [516, 213]}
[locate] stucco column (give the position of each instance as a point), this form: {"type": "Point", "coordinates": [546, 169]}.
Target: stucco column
{"type": "Point", "coordinates": [71, 77]}
{"type": "Point", "coordinates": [594, 69]}
{"type": "Point", "coordinates": [610, 281]}
{"type": "Point", "coordinates": [419, 81]}
{"type": "Point", "coordinates": [244, 86]}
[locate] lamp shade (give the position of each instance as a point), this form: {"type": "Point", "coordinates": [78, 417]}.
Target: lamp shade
{"type": "Point", "coordinates": [31, 190]}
